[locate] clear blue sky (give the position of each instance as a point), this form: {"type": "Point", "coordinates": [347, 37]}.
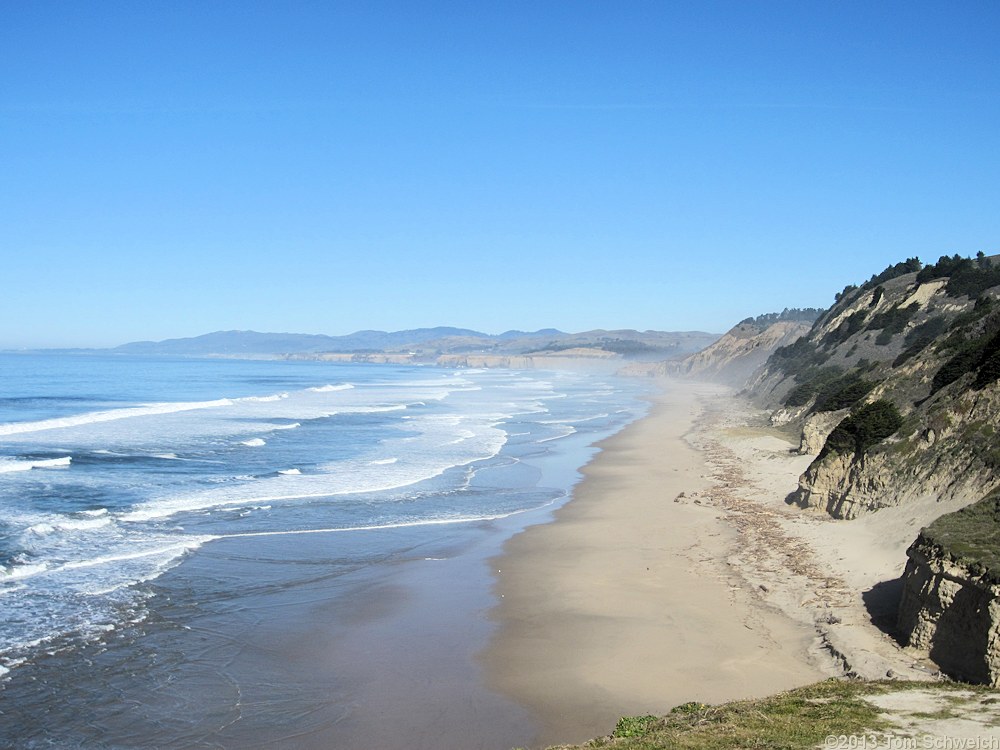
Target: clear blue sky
{"type": "Point", "coordinates": [173, 168]}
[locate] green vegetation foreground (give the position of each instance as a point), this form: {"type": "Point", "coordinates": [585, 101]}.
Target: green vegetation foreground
{"type": "Point", "coordinates": [835, 713]}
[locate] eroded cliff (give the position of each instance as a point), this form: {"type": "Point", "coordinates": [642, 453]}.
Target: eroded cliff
{"type": "Point", "coordinates": [738, 353]}
{"type": "Point", "coordinates": [951, 588]}
{"type": "Point", "coordinates": [895, 387]}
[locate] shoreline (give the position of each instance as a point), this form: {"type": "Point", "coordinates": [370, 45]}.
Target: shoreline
{"type": "Point", "coordinates": [628, 602]}
{"type": "Point", "coordinates": [677, 572]}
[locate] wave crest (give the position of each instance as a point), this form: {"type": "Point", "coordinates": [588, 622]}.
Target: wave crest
{"type": "Point", "coordinates": [9, 465]}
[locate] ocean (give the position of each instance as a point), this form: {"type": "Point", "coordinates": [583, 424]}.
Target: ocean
{"type": "Point", "coordinates": [239, 553]}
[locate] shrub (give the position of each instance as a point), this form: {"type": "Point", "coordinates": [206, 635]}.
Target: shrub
{"type": "Point", "coordinates": [980, 355]}
{"type": "Point", "coordinates": [983, 307]}
{"type": "Point", "coordinates": [854, 323]}
{"type": "Point", "coordinates": [966, 277]}
{"type": "Point", "coordinates": [833, 389]}
{"type": "Point", "coordinates": [811, 381]}
{"type": "Point", "coordinates": [944, 267]}
{"type": "Point", "coordinates": [892, 322]}
{"type": "Point", "coordinates": [634, 726]}
{"type": "Point", "coordinates": [799, 314]}
{"type": "Point", "coordinates": [989, 366]}
{"type": "Point", "coordinates": [846, 391]}
{"type": "Point", "coordinates": [919, 339]}
{"type": "Point", "coordinates": [972, 279]}
{"type": "Point", "coordinates": [910, 265]}
{"type": "Point", "coordinates": [796, 357]}
{"type": "Point", "coordinates": [847, 290]}
{"type": "Point", "coordinates": [865, 427]}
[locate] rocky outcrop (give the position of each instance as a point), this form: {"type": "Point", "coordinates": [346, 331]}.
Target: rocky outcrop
{"type": "Point", "coordinates": [840, 486]}
{"type": "Point", "coordinates": [951, 610]}
{"type": "Point", "coordinates": [816, 428]}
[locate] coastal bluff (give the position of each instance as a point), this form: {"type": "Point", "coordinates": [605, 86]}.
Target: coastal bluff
{"type": "Point", "coordinates": [895, 390]}
{"type": "Point", "coordinates": [950, 606]}
{"type": "Point", "coordinates": [738, 353]}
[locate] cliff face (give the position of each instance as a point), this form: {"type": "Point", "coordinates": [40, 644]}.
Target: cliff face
{"type": "Point", "coordinates": [951, 593]}
{"type": "Point", "coordinates": [738, 353]}
{"type": "Point", "coordinates": [896, 388]}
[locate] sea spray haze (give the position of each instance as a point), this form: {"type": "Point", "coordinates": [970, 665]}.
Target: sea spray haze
{"type": "Point", "coordinates": [115, 471]}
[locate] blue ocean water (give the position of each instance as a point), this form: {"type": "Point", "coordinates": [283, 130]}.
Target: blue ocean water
{"type": "Point", "coordinates": [116, 470]}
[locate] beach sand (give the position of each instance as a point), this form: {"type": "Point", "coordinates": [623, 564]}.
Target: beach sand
{"type": "Point", "coordinates": [678, 572]}
{"type": "Point", "coordinates": [628, 602]}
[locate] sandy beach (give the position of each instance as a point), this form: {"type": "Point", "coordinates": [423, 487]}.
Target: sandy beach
{"type": "Point", "coordinates": [627, 603]}
{"type": "Point", "coordinates": [679, 573]}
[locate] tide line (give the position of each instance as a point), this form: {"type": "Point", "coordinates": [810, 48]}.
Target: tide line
{"type": "Point", "coordinates": [400, 525]}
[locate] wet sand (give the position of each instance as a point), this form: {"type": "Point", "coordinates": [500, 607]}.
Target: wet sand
{"type": "Point", "coordinates": [628, 604]}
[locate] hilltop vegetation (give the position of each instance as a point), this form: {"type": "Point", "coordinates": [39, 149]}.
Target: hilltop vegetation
{"type": "Point", "coordinates": [793, 314]}
{"type": "Point", "coordinates": [969, 537]}
{"type": "Point", "coordinates": [910, 359]}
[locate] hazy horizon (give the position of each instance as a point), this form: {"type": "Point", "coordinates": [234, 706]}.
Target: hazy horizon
{"type": "Point", "coordinates": [176, 169]}
{"type": "Point", "coordinates": [494, 334]}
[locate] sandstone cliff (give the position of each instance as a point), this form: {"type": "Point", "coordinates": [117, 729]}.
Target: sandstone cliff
{"type": "Point", "coordinates": [743, 349]}
{"type": "Point", "coordinates": [895, 387]}
{"type": "Point", "coordinates": [950, 606]}
{"type": "Point", "coordinates": [738, 353]}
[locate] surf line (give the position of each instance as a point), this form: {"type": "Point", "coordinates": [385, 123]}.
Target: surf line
{"type": "Point", "coordinates": [400, 525]}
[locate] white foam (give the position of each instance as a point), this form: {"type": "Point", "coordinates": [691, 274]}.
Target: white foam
{"type": "Point", "coordinates": [262, 399]}
{"type": "Point", "coordinates": [82, 524]}
{"type": "Point", "coordinates": [348, 477]}
{"type": "Point", "coordinates": [291, 426]}
{"type": "Point", "coordinates": [45, 528]}
{"type": "Point", "coordinates": [18, 428]}
{"type": "Point", "coordinates": [386, 526]}
{"type": "Point", "coordinates": [573, 420]}
{"type": "Point", "coordinates": [567, 431]}
{"type": "Point", "coordinates": [289, 471]}
{"type": "Point", "coordinates": [20, 572]}
{"type": "Point", "coordinates": [9, 465]}
{"type": "Point", "coordinates": [170, 550]}
{"type": "Point", "coordinates": [376, 409]}
{"type": "Point", "coordinates": [330, 388]}
{"type": "Point", "coordinates": [254, 442]}
{"type": "Point", "coordinates": [97, 512]}
{"type": "Point", "coordinates": [429, 446]}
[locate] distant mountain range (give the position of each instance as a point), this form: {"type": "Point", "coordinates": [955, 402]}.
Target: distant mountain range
{"type": "Point", "coordinates": [426, 344]}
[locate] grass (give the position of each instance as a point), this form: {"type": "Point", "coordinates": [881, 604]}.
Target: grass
{"type": "Point", "coordinates": [794, 720]}
{"type": "Point", "coordinates": [800, 718]}
{"type": "Point", "coordinates": [971, 537]}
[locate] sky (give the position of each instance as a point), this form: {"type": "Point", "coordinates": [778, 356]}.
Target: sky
{"type": "Point", "coordinates": [173, 168]}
